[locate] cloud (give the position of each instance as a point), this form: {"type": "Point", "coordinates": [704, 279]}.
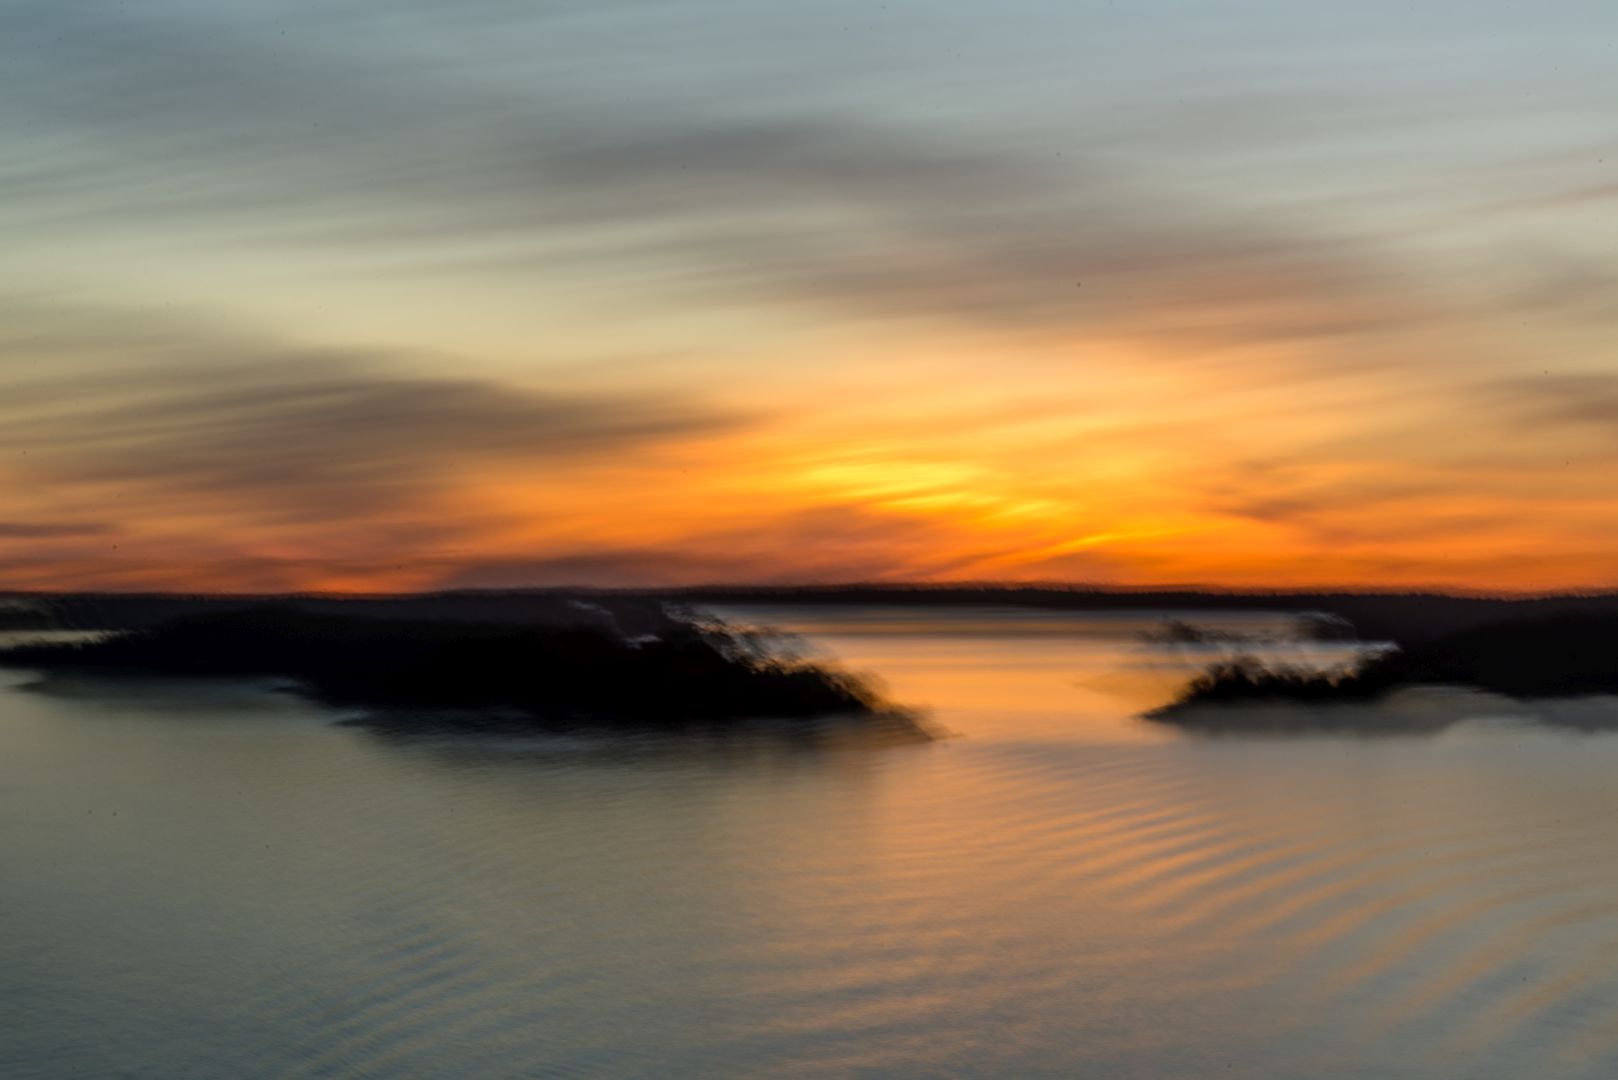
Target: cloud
{"type": "Point", "coordinates": [280, 433]}
{"type": "Point", "coordinates": [1585, 401]}
{"type": "Point", "coordinates": [845, 211]}
{"type": "Point", "coordinates": [206, 117]}
{"type": "Point", "coordinates": [52, 530]}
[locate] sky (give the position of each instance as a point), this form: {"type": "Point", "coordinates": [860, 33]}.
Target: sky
{"type": "Point", "coordinates": [389, 295]}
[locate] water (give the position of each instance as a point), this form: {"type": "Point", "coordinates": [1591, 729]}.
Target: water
{"type": "Point", "coordinates": [219, 882]}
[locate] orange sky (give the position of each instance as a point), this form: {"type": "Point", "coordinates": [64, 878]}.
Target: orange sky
{"type": "Point", "coordinates": [382, 299]}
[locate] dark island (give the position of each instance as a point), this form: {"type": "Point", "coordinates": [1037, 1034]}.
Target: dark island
{"type": "Point", "coordinates": [483, 675]}
{"type": "Point", "coordinates": [1561, 655]}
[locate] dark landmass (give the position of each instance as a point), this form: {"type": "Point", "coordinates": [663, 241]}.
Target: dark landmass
{"type": "Point", "coordinates": [1406, 617]}
{"type": "Point", "coordinates": [496, 676]}
{"type": "Point", "coordinates": [1524, 646]}
{"type": "Point", "coordinates": [626, 614]}
{"type": "Point", "coordinates": [1566, 654]}
{"type": "Point", "coordinates": [1375, 616]}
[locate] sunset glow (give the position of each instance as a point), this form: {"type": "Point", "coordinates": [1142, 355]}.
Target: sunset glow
{"type": "Point", "coordinates": [1191, 295]}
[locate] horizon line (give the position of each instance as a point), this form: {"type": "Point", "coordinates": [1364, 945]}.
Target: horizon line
{"type": "Point", "coordinates": [778, 588]}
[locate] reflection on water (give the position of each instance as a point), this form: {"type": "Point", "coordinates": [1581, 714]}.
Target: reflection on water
{"type": "Point", "coordinates": [197, 888]}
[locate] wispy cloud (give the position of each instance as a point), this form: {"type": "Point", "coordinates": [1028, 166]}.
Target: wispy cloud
{"type": "Point", "coordinates": [247, 432]}
{"type": "Point", "coordinates": [209, 117]}
{"type": "Point", "coordinates": [1549, 404]}
{"type": "Point", "coordinates": [52, 530]}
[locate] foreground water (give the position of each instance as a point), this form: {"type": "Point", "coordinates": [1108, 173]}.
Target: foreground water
{"type": "Point", "coordinates": [222, 883]}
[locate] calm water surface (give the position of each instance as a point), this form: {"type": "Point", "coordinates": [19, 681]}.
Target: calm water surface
{"type": "Point", "coordinates": [222, 883]}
